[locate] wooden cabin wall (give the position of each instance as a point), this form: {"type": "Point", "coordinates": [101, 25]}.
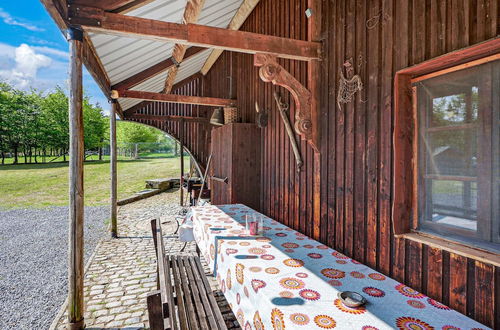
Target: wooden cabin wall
{"type": "Point", "coordinates": [381, 37]}
{"type": "Point", "coordinates": [194, 135]}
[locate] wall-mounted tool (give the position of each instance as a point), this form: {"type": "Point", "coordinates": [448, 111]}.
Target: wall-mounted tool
{"type": "Point", "coordinates": [262, 116]}
{"type": "Point", "coordinates": [283, 109]}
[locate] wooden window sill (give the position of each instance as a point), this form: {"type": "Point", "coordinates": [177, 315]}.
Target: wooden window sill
{"type": "Point", "coordinates": [454, 247]}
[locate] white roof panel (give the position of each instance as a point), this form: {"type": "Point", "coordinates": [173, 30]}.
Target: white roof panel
{"type": "Point", "coordinates": [123, 57]}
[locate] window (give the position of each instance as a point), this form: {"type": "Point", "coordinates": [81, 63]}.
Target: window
{"type": "Point", "coordinates": [457, 117]}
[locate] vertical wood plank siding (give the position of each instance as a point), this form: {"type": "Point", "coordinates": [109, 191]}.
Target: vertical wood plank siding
{"type": "Point", "coordinates": [380, 37]}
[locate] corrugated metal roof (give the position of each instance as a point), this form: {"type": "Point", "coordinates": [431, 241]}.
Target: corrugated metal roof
{"type": "Point", "coordinates": [123, 57]}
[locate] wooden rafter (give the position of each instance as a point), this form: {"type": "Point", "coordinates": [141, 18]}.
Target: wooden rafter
{"type": "Point", "coordinates": [131, 6]}
{"type": "Point", "coordinates": [165, 65]}
{"type": "Point", "coordinates": [99, 21]}
{"type": "Point", "coordinates": [95, 66]}
{"type": "Point", "coordinates": [191, 14]}
{"type": "Point", "coordinates": [174, 98]}
{"type": "Point", "coordinates": [180, 84]}
{"type": "Point", "coordinates": [202, 120]}
{"type": "Point", "coordinates": [107, 5]}
{"type": "Point", "coordinates": [271, 71]}
{"type": "Point", "coordinates": [237, 21]}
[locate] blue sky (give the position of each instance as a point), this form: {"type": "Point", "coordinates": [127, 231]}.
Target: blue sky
{"type": "Point", "coordinates": [33, 51]}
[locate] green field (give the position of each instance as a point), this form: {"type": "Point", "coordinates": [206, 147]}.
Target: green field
{"type": "Point", "coordinates": [40, 185]}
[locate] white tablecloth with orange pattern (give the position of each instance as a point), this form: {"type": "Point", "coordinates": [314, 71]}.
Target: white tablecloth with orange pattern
{"type": "Point", "coordinates": [285, 280]}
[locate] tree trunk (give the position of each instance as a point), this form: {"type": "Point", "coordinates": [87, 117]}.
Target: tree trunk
{"type": "Point", "coordinates": [16, 160]}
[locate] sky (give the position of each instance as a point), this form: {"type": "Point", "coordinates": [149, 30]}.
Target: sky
{"type": "Point", "coordinates": [34, 52]}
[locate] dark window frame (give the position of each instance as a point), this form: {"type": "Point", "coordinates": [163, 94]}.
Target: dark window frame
{"type": "Point", "coordinates": [484, 127]}
{"type": "Point", "coordinates": [405, 173]}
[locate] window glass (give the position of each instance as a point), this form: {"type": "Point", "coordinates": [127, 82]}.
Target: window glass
{"type": "Point", "coordinates": [454, 109]}
{"type": "Point", "coordinates": [458, 154]}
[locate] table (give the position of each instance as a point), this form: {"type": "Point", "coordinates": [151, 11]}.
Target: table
{"type": "Point", "coordinates": [284, 279]}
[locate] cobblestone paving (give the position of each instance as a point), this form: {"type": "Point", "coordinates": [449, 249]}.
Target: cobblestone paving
{"type": "Point", "coordinates": [123, 270]}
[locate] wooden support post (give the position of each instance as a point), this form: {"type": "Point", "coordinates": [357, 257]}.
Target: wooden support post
{"type": "Point", "coordinates": [76, 206]}
{"type": "Point", "coordinates": [112, 162]}
{"type": "Point", "coordinates": [315, 72]}
{"type": "Point", "coordinates": [181, 143]}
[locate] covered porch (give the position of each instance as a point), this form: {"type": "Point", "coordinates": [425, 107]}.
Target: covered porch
{"type": "Point", "coordinates": [322, 129]}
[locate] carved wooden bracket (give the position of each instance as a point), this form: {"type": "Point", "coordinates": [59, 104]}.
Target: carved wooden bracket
{"type": "Point", "coordinates": [271, 71]}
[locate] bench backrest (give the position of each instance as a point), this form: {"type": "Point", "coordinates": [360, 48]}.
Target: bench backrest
{"type": "Point", "coordinates": [182, 283]}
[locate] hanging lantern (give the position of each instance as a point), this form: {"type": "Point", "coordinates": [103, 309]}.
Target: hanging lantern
{"type": "Point", "coordinates": [217, 117]}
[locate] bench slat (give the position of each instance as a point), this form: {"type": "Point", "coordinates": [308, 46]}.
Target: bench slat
{"type": "Point", "coordinates": [171, 302]}
{"type": "Point", "coordinates": [188, 296]}
{"type": "Point", "coordinates": [164, 276]}
{"type": "Point", "coordinates": [204, 293]}
{"type": "Point", "coordinates": [195, 292]}
{"type": "Point", "coordinates": [213, 303]}
{"type": "Point", "coordinates": [181, 307]}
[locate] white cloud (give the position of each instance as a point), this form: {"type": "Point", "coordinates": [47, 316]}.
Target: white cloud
{"type": "Point", "coordinates": [8, 19]}
{"type": "Point", "coordinates": [51, 51]}
{"type": "Point", "coordinates": [27, 67]}
{"type": "Point", "coordinates": [39, 41]}
{"type": "Point", "coordinates": [22, 72]}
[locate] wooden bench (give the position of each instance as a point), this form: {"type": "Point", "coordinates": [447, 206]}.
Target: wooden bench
{"type": "Point", "coordinates": [184, 299]}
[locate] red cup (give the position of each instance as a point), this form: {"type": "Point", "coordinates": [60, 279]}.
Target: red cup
{"type": "Point", "coordinates": [254, 228]}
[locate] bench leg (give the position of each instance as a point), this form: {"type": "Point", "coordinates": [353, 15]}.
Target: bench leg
{"type": "Point", "coordinates": [155, 311]}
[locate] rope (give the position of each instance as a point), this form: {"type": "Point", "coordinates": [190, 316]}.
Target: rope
{"type": "Point", "coordinates": [347, 89]}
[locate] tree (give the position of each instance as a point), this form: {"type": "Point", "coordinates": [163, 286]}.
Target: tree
{"type": "Point", "coordinates": [12, 119]}
{"type": "Point", "coordinates": [54, 108]}
{"type": "Point", "coordinates": [128, 132]}
{"type": "Point", "coordinates": [95, 126]}
{"type": "Point", "coordinates": [5, 99]}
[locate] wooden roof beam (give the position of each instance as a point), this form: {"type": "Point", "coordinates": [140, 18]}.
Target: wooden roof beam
{"type": "Point", "coordinates": [237, 21]}
{"type": "Point", "coordinates": [180, 84]}
{"type": "Point", "coordinates": [131, 6]}
{"type": "Point", "coordinates": [107, 5]}
{"type": "Point", "coordinates": [99, 21]}
{"type": "Point", "coordinates": [191, 15]}
{"type": "Point", "coordinates": [175, 98]}
{"type": "Point", "coordinates": [154, 70]}
{"type": "Point", "coordinates": [202, 120]}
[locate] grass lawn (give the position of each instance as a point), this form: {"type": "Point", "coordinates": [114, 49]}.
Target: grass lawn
{"type": "Point", "coordinates": [39, 185]}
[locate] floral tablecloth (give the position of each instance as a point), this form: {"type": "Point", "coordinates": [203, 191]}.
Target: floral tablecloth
{"type": "Point", "coordinates": [285, 280]}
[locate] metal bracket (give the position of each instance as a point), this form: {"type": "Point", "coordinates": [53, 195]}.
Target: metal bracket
{"type": "Point", "coordinates": [74, 33]}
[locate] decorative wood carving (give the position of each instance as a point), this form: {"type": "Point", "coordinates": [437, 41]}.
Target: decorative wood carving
{"type": "Point", "coordinates": [271, 71]}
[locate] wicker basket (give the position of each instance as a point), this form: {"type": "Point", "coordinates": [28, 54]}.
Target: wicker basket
{"type": "Point", "coordinates": [230, 115]}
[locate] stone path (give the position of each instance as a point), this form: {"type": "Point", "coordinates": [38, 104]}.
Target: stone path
{"type": "Point", "coordinates": [123, 270]}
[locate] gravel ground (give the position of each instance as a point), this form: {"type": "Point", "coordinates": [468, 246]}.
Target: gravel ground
{"type": "Point", "coordinates": [33, 262]}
